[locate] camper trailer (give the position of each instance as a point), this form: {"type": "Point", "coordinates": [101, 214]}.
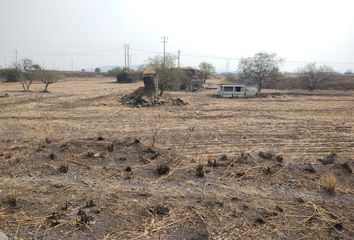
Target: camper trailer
{"type": "Point", "coordinates": [235, 90]}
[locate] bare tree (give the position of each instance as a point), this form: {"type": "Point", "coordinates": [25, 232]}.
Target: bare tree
{"type": "Point", "coordinates": [207, 70]}
{"type": "Point", "coordinates": [261, 67]}
{"type": "Point", "coordinates": [313, 75]}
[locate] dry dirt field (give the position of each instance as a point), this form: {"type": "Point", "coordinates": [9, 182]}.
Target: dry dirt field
{"type": "Point", "coordinates": [77, 164]}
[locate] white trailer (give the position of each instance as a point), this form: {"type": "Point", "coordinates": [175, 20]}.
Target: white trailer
{"type": "Point", "coordinates": [235, 90]}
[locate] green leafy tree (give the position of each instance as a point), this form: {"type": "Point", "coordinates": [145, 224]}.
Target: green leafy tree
{"type": "Point", "coordinates": [97, 70]}
{"type": "Point", "coordinates": [207, 70]}
{"type": "Point", "coordinates": [169, 75]}
{"type": "Point", "coordinates": [47, 77]}
{"type": "Point", "coordinates": [114, 72]}
{"type": "Point", "coordinates": [313, 75]}
{"type": "Point", "coordinates": [261, 67]}
{"type": "Point", "coordinates": [24, 73]}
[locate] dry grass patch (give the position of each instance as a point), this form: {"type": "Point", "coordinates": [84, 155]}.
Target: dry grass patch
{"type": "Point", "coordinates": [330, 184]}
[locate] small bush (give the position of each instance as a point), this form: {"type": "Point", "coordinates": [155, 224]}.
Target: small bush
{"type": "Point", "coordinates": [330, 184]}
{"type": "Point", "coordinates": [163, 169]}
{"type": "Point", "coordinates": [63, 168]}
{"type": "Point", "coordinates": [200, 171]}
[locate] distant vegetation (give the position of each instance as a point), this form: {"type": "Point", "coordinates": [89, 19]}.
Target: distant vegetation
{"type": "Point", "coordinates": [261, 67]}
{"type": "Point", "coordinates": [26, 72]}
{"type": "Point", "coordinates": [207, 70]}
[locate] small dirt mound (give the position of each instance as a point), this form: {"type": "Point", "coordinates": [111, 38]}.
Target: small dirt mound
{"type": "Point", "coordinates": [138, 99]}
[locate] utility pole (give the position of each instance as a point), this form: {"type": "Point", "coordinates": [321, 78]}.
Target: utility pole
{"type": "Point", "coordinates": [164, 41]}
{"type": "Point", "coordinates": [72, 64]}
{"type": "Point", "coordinates": [5, 61]}
{"type": "Point", "coordinates": [16, 57]}
{"type": "Point", "coordinates": [179, 57]}
{"type": "Point", "coordinates": [228, 65]}
{"type": "Point", "coordinates": [125, 55]}
{"type": "Point", "coordinates": [128, 56]}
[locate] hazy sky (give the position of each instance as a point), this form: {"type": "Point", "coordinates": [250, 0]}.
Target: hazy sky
{"type": "Point", "coordinates": [90, 33]}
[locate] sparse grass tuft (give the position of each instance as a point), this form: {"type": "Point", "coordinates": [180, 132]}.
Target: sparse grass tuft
{"type": "Point", "coordinates": [163, 169]}
{"type": "Point", "coordinates": [63, 168]}
{"type": "Point", "coordinates": [330, 184]}
{"type": "Point", "coordinates": [2, 147]}
{"type": "Point", "coordinates": [48, 137]}
{"type": "Point", "coordinates": [10, 200]}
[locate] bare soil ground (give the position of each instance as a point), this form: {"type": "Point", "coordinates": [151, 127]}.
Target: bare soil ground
{"type": "Point", "coordinates": [77, 164]}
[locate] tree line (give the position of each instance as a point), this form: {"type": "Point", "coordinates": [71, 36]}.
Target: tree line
{"type": "Point", "coordinates": [26, 72]}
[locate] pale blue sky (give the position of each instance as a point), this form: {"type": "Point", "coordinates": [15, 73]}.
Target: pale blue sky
{"type": "Point", "coordinates": [92, 32]}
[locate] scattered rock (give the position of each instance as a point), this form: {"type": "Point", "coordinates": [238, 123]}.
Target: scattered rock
{"type": "Point", "coordinates": [178, 101]}
{"type": "Point", "coordinates": [299, 200]}
{"type": "Point", "coordinates": [222, 157]}
{"type": "Point", "coordinates": [259, 221]}
{"type": "Point", "coordinates": [100, 138]}
{"type": "Point", "coordinates": [265, 155]}
{"type": "Point", "coordinates": [309, 169]}
{"type": "Point", "coordinates": [128, 169]}
{"type": "Point", "coordinates": [138, 100]}
{"type": "Point", "coordinates": [348, 166]}
{"type": "Point", "coordinates": [329, 159]}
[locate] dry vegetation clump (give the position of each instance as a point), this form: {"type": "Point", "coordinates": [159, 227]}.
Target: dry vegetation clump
{"type": "Point", "coordinates": [330, 184]}
{"type": "Point", "coordinates": [200, 171]}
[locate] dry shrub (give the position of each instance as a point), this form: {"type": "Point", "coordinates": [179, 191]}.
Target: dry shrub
{"type": "Point", "coordinates": [163, 169]}
{"type": "Point", "coordinates": [330, 183]}
{"type": "Point", "coordinates": [48, 136]}
{"type": "Point", "coordinates": [200, 171]}
{"type": "Point", "coordinates": [63, 168]}
{"type": "Point", "coordinates": [10, 200]}
{"type": "Point", "coordinates": [2, 147]}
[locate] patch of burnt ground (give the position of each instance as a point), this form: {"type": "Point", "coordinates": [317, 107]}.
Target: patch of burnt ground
{"type": "Point", "coordinates": [101, 188]}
